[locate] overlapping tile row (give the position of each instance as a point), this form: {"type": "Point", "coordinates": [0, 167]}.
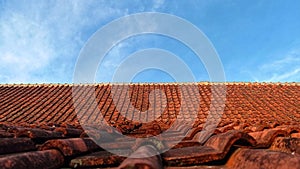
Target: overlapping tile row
{"type": "Point", "coordinates": [25, 145]}
{"type": "Point", "coordinates": [258, 124]}
{"type": "Point", "coordinates": [252, 105]}
{"type": "Point", "coordinates": [228, 149]}
{"type": "Point", "coordinates": [224, 150]}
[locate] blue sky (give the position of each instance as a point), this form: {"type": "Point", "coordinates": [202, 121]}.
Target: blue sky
{"type": "Point", "coordinates": [256, 41]}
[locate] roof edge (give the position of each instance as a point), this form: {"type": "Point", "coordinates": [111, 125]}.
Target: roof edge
{"type": "Point", "coordinates": [152, 83]}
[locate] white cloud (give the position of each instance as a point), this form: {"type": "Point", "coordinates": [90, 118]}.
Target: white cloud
{"type": "Point", "coordinates": [158, 4]}
{"type": "Point", "coordinates": [40, 41]}
{"type": "Point", "coordinates": [290, 58]}
{"type": "Point", "coordinates": [285, 69]}
{"type": "Point", "coordinates": [24, 46]}
{"type": "Point", "coordinates": [111, 61]}
{"type": "Point", "coordinates": [37, 40]}
{"type": "Point", "coordinates": [288, 76]}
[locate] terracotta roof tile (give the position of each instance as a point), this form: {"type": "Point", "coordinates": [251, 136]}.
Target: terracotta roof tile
{"type": "Point", "coordinates": [258, 158]}
{"type": "Point", "coordinates": [286, 144]}
{"type": "Point", "coordinates": [259, 127]}
{"type": "Point", "coordinates": [192, 133]}
{"type": "Point", "coordinates": [98, 159]}
{"type": "Point", "coordinates": [295, 135]}
{"type": "Point", "coordinates": [50, 159]}
{"type": "Point", "coordinates": [119, 143]}
{"type": "Point", "coordinates": [69, 132]}
{"type": "Point", "coordinates": [223, 142]}
{"type": "Point", "coordinates": [266, 137]}
{"type": "Point", "coordinates": [4, 134]}
{"type": "Point", "coordinates": [190, 156]}
{"type": "Point", "coordinates": [214, 149]}
{"type": "Point", "coordinates": [38, 134]}
{"type": "Point", "coordinates": [14, 145]}
{"type": "Point", "coordinates": [188, 143]}
{"type": "Point", "coordinates": [152, 162]}
{"type": "Point", "coordinates": [71, 147]}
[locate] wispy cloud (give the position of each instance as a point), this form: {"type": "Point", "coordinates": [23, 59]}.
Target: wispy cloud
{"type": "Point", "coordinates": [291, 58]}
{"type": "Point", "coordinates": [285, 69]}
{"type": "Point", "coordinates": [158, 4]}
{"type": "Point", "coordinates": [25, 47]}
{"type": "Point", "coordinates": [288, 76]}
{"type": "Point", "coordinates": [111, 61]}
{"type": "Point", "coordinates": [40, 41]}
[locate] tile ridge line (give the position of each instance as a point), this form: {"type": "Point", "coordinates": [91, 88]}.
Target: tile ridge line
{"type": "Point", "coordinates": [153, 83]}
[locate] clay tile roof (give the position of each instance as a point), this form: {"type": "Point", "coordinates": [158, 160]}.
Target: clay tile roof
{"type": "Point", "coordinates": [236, 125]}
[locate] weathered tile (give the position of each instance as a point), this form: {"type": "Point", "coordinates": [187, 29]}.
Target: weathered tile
{"type": "Point", "coordinates": [260, 158]}
{"type": "Point", "coordinates": [223, 142]}
{"type": "Point", "coordinates": [72, 146]}
{"type": "Point", "coordinates": [266, 137]}
{"type": "Point", "coordinates": [99, 159]}
{"type": "Point", "coordinates": [142, 158]}
{"type": "Point", "coordinates": [13, 145]}
{"type": "Point", "coordinates": [190, 156]}
{"type": "Point", "coordinates": [266, 111]}
{"type": "Point", "coordinates": [36, 133]}
{"type": "Point", "coordinates": [286, 144]}
{"type": "Point", "coordinates": [49, 159]}
{"type": "Point", "coordinates": [5, 134]}
{"type": "Point", "coordinates": [69, 132]}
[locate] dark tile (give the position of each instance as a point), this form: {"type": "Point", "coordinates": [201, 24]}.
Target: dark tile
{"type": "Point", "coordinates": [5, 134]}
{"type": "Point", "coordinates": [72, 146]}
{"type": "Point", "coordinates": [69, 132]}
{"type": "Point", "coordinates": [49, 159]}
{"type": "Point", "coordinates": [13, 145]}
{"type": "Point", "coordinates": [99, 159]}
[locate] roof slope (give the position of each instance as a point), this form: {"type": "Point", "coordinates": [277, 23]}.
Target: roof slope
{"type": "Point", "coordinates": [257, 126]}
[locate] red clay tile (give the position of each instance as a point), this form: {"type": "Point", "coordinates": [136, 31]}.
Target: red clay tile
{"type": "Point", "coordinates": [259, 158]}
{"type": "Point", "coordinates": [158, 144]}
{"type": "Point", "coordinates": [199, 167]}
{"type": "Point", "coordinates": [214, 149]}
{"type": "Point", "coordinates": [266, 137]}
{"type": "Point", "coordinates": [98, 159]}
{"type": "Point", "coordinates": [286, 144]}
{"type": "Point", "coordinates": [5, 134]}
{"type": "Point", "coordinates": [3, 126]}
{"type": "Point", "coordinates": [36, 133]}
{"type": "Point", "coordinates": [290, 128]}
{"type": "Point", "coordinates": [13, 145]}
{"type": "Point", "coordinates": [190, 156]}
{"type": "Point", "coordinates": [188, 143]}
{"type": "Point", "coordinates": [50, 159]}
{"type": "Point", "coordinates": [53, 102]}
{"type": "Point", "coordinates": [69, 132]}
{"type": "Point", "coordinates": [119, 144]}
{"type": "Point", "coordinates": [223, 142]}
{"type": "Point", "coordinates": [226, 128]}
{"type": "Point", "coordinates": [140, 159]}
{"type": "Point", "coordinates": [191, 134]}
{"type": "Point", "coordinates": [295, 135]}
{"type": "Point", "coordinates": [257, 127]}
{"type": "Point", "coordinates": [264, 110]}
{"type": "Point", "coordinates": [72, 146]}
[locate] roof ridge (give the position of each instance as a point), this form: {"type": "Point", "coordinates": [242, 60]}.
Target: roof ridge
{"type": "Point", "coordinates": [153, 83]}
